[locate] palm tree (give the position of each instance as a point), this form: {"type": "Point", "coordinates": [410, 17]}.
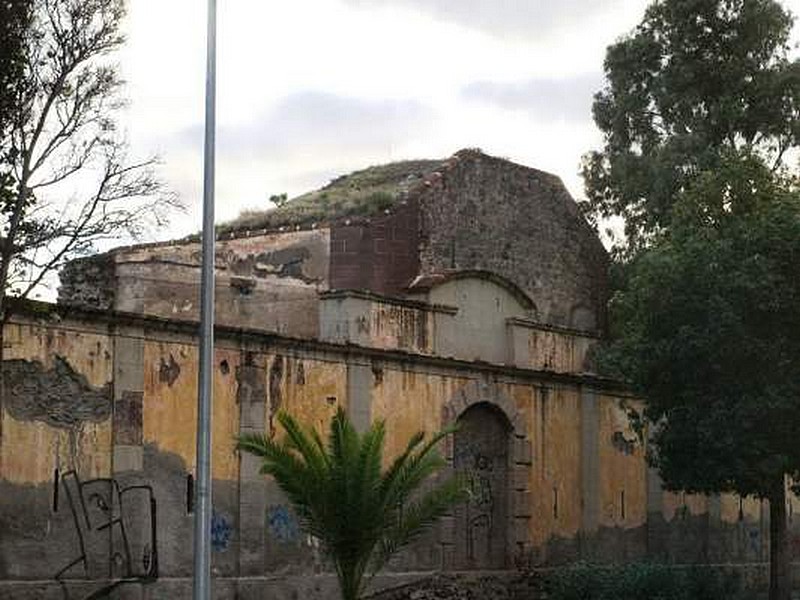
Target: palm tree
{"type": "Point", "coordinates": [361, 513]}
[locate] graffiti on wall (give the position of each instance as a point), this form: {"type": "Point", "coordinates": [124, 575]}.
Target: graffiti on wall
{"type": "Point", "coordinates": [221, 531]}
{"type": "Point", "coordinates": [282, 523]}
{"type": "Point", "coordinates": [115, 530]}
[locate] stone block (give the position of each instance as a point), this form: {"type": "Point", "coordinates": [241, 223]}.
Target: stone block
{"type": "Point", "coordinates": [252, 417]}
{"type": "Point", "coordinates": [447, 528]}
{"type": "Point", "coordinates": [523, 452]}
{"type": "Point", "coordinates": [522, 504]}
{"type": "Point", "coordinates": [521, 477]}
{"type": "Point", "coordinates": [447, 448]}
{"type": "Point", "coordinates": [522, 530]}
{"type": "Point", "coordinates": [127, 421]}
{"type": "Point", "coordinates": [128, 458]}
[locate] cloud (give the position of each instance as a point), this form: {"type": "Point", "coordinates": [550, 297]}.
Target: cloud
{"type": "Point", "coordinates": [551, 99]}
{"type": "Point", "coordinates": [306, 120]}
{"type": "Point", "coordinates": [520, 18]}
{"type": "Point", "coordinates": [300, 143]}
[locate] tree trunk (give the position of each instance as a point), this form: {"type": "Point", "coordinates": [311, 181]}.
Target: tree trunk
{"type": "Point", "coordinates": [3, 320]}
{"type": "Point", "coordinates": [2, 389]}
{"type": "Point", "coordinates": [780, 584]}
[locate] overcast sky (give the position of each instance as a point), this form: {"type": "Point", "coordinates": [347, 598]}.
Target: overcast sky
{"type": "Point", "coordinates": [312, 89]}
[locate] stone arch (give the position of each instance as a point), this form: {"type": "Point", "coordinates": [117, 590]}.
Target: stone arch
{"type": "Point", "coordinates": [425, 283]}
{"type": "Point", "coordinates": [476, 392]}
{"type": "Point", "coordinates": [484, 403]}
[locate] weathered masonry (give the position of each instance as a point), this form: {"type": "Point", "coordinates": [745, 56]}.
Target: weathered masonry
{"type": "Point", "coordinates": [475, 296]}
{"type": "Point", "coordinates": [392, 230]}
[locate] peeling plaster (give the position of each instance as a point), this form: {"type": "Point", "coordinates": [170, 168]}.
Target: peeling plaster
{"type": "Point", "coordinates": [59, 396]}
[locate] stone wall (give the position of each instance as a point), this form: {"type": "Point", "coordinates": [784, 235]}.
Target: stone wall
{"type": "Point", "coordinates": [478, 213]}
{"type": "Point", "coordinates": [89, 282]}
{"type": "Point", "coordinates": [267, 282]}
{"type": "Point", "coordinates": [104, 395]}
{"type": "Point", "coordinates": [487, 213]}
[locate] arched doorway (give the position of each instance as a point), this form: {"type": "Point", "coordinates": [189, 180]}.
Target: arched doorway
{"type": "Point", "coordinates": [481, 452]}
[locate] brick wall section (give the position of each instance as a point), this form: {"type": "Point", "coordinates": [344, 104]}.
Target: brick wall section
{"type": "Point", "coordinates": [482, 212]}
{"type": "Point", "coordinates": [379, 255]}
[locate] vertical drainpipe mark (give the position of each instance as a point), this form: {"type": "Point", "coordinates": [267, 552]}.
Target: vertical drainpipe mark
{"type": "Point", "coordinates": [55, 489]}
{"type": "Point", "coordinates": [555, 502]}
{"type": "Point", "coordinates": [622, 504]}
{"type": "Point", "coordinates": [190, 493]}
{"type": "Point", "coordinates": [741, 508]}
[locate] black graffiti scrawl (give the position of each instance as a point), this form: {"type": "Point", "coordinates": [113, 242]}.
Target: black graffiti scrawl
{"type": "Point", "coordinates": [115, 532]}
{"type": "Point", "coordinates": [58, 396]}
{"type": "Point", "coordinates": [481, 454]}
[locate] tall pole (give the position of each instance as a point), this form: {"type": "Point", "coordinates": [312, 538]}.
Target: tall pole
{"type": "Point", "coordinates": [202, 516]}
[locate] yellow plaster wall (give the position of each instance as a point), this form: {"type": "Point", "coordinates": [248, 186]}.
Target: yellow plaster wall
{"type": "Point", "coordinates": [675, 504]}
{"type": "Point", "coordinates": [31, 450]}
{"type": "Point", "coordinates": [391, 326]}
{"type": "Point", "coordinates": [556, 439]}
{"type": "Point", "coordinates": [558, 351]}
{"type": "Point", "coordinates": [750, 508]}
{"type": "Point", "coordinates": [311, 390]}
{"type": "Point", "coordinates": [410, 402]}
{"type": "Point", "coordinates": [169, 418]}
{"type": "Point", "coordinates": [622, 468]}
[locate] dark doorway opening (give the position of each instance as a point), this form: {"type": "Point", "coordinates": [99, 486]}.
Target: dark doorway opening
{"type": "Point", "coordinates": [481, 452]}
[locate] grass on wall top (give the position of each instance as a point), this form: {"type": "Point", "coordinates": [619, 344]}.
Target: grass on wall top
{"type": "Point", "coordinates": [362, 193]}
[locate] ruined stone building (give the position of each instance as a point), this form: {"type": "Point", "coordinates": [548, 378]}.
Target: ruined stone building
{"type": "Point", "coordinates": [424, 293]}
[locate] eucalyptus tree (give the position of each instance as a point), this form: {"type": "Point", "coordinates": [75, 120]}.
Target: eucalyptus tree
{"type": "Point", "coordinates": [708, 332]}
{"type": "Point", "coordinates": [695, 79]}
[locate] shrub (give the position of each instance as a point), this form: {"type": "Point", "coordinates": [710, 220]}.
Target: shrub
{"type": "Point", "coordinates": [643, 581]}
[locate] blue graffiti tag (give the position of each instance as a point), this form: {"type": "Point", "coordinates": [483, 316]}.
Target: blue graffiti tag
{"type": "Point", "coordinates": [282, 523]}
{"type": "Point", "coordinates": [221, 531]}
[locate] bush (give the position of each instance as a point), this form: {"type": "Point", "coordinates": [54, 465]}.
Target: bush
{"type": "Point", "coordinates": [643, 582]}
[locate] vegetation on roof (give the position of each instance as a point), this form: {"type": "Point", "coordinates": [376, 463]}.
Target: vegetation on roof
{"type": "Point", "coordinates": [362, 193]}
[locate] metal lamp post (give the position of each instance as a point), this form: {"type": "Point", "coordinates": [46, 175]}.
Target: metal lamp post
{"type": "Point", "coordinates": [202, 517]}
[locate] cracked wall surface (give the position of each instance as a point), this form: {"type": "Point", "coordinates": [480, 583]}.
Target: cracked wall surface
{"type": "Point", "coordinates": [573, 481]}
{"type": "Point", "coordinates": [267, 282]}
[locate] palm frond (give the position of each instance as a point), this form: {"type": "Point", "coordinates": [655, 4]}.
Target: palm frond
{"type": "Point", "coordinates": [360, 513]}
{"type": "Point", "coordinates": [414, 467]}
{"type": "Point", "coordinates": [417, 516]}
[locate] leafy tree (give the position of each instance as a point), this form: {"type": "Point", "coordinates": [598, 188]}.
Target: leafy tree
{"type": "Point", "coordinates": [695, 79]}
{"type": "Point", "coordinates": [71, 183]}
{"type": "Point", "coordinates": [279, 199]}
{"type": "Point", "coordinates": [15, 18]}
{"type": "Point", "coordinates": [360, 512]}
{"type": "Point", "coordinates": [709, 334]}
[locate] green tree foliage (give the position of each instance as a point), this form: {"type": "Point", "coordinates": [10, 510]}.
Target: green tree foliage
{"type": "Point", "coordinates": [15, 17]}
{"type": "Point", "coordinates": [709, 334]}
{"type": "Point", "coordinates": [695, 79]}
{"type": "Point", "coordinates": [279, 199]}
{"type": "Point", "coordinates": [361, 513]}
